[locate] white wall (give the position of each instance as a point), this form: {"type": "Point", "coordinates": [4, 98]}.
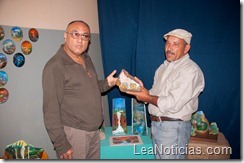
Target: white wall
{"type": "Point", "coordinates": [48, 14]}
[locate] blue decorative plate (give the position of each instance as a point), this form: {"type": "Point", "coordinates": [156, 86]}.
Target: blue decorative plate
{"type": "Point", "coordinates": [3, 78]}
{"type": "Point", "coordinates": [17, 33]}
{"type": "Point", "coordinates": [19, 60]}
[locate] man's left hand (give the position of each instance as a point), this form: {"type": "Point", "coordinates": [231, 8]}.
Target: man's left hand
{"type": "Point", "coordinates": [111, 79]}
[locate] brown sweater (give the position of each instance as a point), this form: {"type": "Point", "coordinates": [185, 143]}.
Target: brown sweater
{"type": "Point", "coordinates": [70, 97]}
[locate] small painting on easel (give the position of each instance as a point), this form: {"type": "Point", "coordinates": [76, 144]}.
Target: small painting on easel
{"type": "Point", "coordinates": [139, 120]}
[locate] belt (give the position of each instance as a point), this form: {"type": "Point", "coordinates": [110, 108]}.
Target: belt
{"type": "Point", "coordinates": [157, 119]}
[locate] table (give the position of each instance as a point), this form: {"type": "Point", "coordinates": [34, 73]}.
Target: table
{"type": "Point", "coordinates": [209, 150]}
{"type": "Point", "coordinates": [202, 149]}
{"type": "Point", "coordinates": [140, 151]}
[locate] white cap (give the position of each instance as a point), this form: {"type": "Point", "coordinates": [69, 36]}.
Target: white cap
{"type": "Point", "coordinates": [180, 33]}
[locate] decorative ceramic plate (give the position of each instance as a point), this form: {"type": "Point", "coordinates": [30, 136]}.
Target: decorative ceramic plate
{"type": "Point", "coordinates": [17, 33]}
{"type": "Point", "coordinates": [19, 60]}
{"type": "Point", "coordinates": [3, 60]}
{"type": "Point", "coordinates": [1, 33]}
{"type": "Point", "coordinates": [3, 95]}
{"type": "Point", "coordinates": [3, 78]}
{"type": "Point", "coordinates": [9, 46]}
{"type": "Point", "coordinates": [26, 47]}
{"type": "Point", "coordinates": [33, 34]}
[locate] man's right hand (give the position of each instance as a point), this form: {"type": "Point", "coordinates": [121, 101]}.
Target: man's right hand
{"type": "Point", "coordinates": [67, 155]}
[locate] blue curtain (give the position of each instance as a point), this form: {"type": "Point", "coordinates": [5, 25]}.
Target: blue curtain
{"type": "Point", "coordinates": [131, 34]}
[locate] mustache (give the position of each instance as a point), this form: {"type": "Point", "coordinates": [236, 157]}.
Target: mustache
{"type": "Point", "coordinates": [169, 52]}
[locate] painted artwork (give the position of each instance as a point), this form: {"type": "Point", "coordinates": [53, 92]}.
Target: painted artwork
{"type": "Point", "coordinates": [3, 95]}
{"type": "Point", "coordinates": [33, 34]}
{"type": "Point", "coordinates": [26, 47]}
{"type": "Point", "coordinates": [9, 46]}
{"type": "Point", "coordinates": [199, 122]}
{"type": "Point", "coordinates": [19, 60]}
{"type": "Point", "coordinates": [201, 125]}
{"type": "Point", "coordinates": [16, 33]}
{"type": "Point", "coordinates": [1, 33]}
{"type": "Point", "coordinates": [119, 125]}
{"type": "Point", "coordinates": [213, 128]}
{"type": "Point", "coordinates": [125, 140]}
{"type": "Point", "coordinates": [126, 82]}
{"type": "Point", "coordinates": [23, 150]}
{"type": "Point", "coordinates": [3, 61]}
{"type": "Point", "coordinates": [3, 78]}
{"type": "Point", "coordinates": [139, 120]}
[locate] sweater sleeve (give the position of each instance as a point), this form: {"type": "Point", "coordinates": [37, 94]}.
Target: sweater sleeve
{"type": "Point", "coordinates": [53, 90]}
{"type": "Point", "coordinates": [103, 85]}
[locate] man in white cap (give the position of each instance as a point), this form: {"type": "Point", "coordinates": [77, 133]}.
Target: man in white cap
{"type": "Point", "coordinates": [173, 97]}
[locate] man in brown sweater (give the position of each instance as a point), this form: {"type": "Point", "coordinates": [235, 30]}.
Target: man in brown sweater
{"type": "Point", "coordinates": [72, 102]}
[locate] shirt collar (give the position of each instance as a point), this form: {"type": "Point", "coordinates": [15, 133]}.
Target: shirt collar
{"type": "Point", "coordinates": [66, 58]}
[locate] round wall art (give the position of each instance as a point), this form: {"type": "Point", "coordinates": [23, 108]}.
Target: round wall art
{"type": "Point", "coordinates": [1, 33]}
{"type": "Point", "coordinates": [33, 34]}
{"type": "Point", "coordinates": [26, 47]}
{"type": "Point", "coordinates": [3, 78]}
{"type": "Point", "coordinates": [3, 95]}
{"type": "Point", "coordinates": [16, 33]}
{"type": "Point", "coordinates": [3, 60]}
{"type": "Point", "coordinates": [9, 46]}
{"type": "Point", "coordinates": [19, 60]}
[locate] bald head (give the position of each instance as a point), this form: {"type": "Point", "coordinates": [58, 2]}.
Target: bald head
{"type": "Point", "coordinates": [77, 21]}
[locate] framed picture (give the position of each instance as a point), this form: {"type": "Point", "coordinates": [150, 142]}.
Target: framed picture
{"type": "Point", "coordinates": [139, 119]}
{"type": "Point", "coordinates": [125, 140]}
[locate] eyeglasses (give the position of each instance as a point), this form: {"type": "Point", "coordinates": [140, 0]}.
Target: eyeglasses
{"type": "Point", "coordinates": [76, 35]}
